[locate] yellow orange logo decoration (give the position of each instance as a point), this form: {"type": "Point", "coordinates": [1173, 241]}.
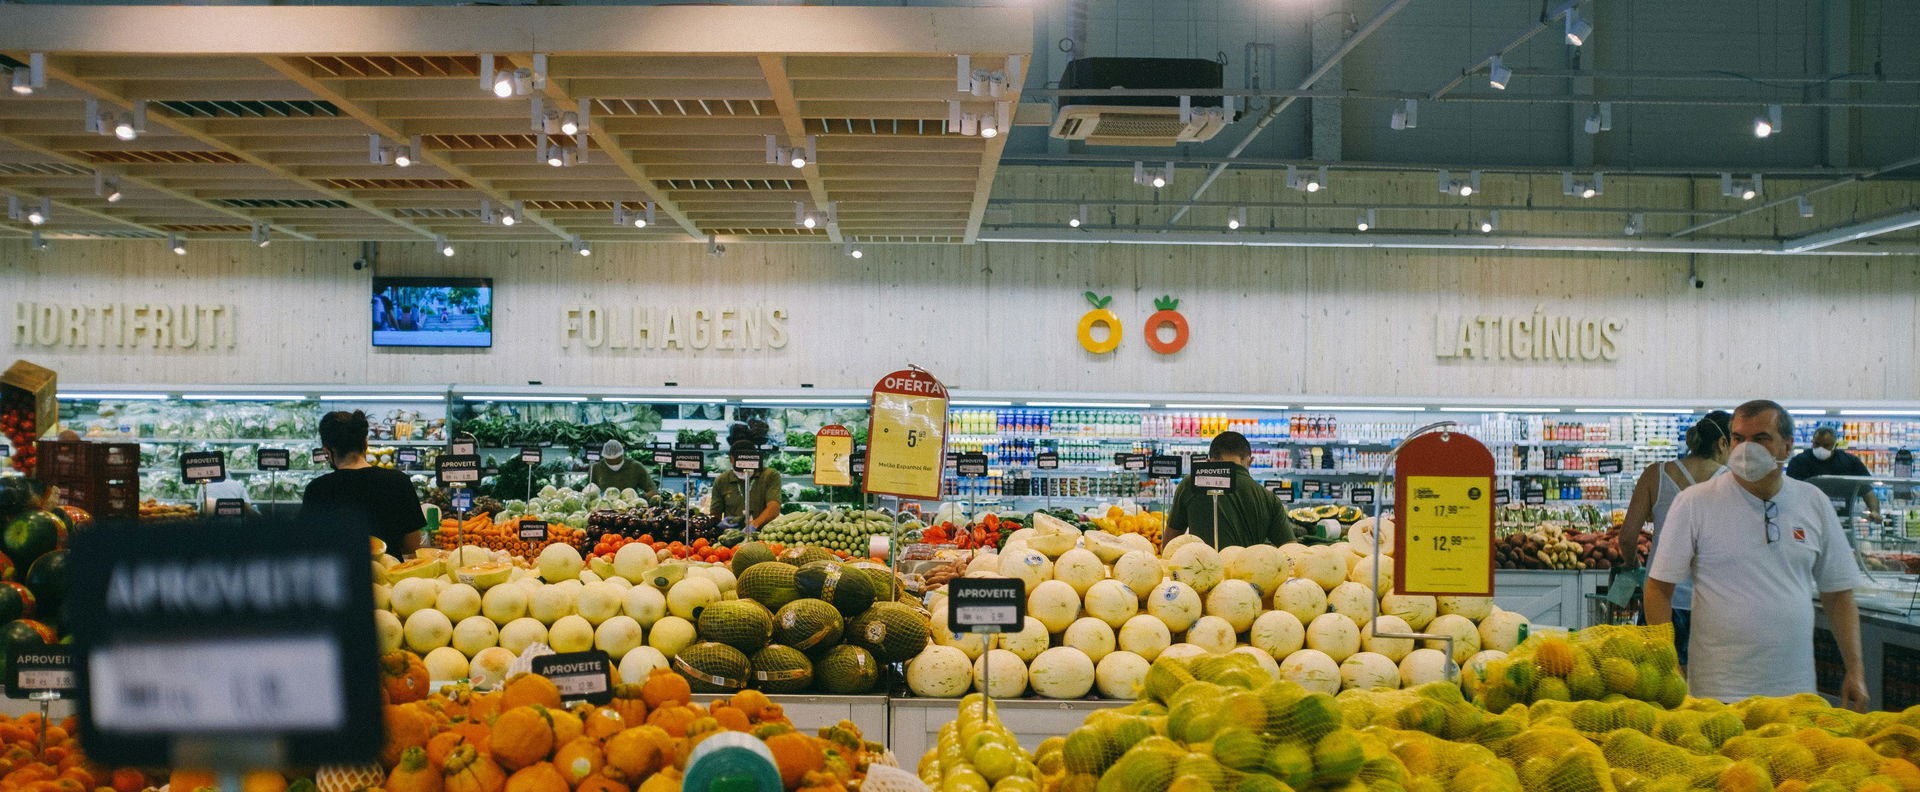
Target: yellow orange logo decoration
{"type": "Point", "coordinates": [1100, 315]}
{"type": "Point", "coordinates": [1166, 314]}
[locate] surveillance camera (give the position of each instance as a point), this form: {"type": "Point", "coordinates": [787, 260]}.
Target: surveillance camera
{"type": "Point", "coordinates": [1699, 284]}
{"type": "Point", "coordinates": [359, 264]}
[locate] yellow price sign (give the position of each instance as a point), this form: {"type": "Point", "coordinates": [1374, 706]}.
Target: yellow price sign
{"type": "Point", "coordinates": [833, 457]}
{"type": "Point", "coordinates": [907, 435]}
{"type": "Point", "coordinates": [1444, 545]}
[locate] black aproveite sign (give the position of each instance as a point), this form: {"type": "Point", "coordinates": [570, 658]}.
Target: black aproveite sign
{"type": "Point", "coordinates": [987, 605]}
{"type": "Point", "coordinates": [747, 461]}
{"type": "Point", "coordinates": [40, 669]}
{"type": "Point", "coordinates": [200, 467]}
{"type": "Point", "coordinates": [1610, 466]}
{"type": "Point", "coordinates": [533, 530]}
{"type": "Point", "coordinates": [229, 507]}
{"type": "Point", "coordinates": [274, 459]}
{"type": "Point", "coordinates": [1213, 476]}
{"type": "Point", "coordinates": [970, 465]}
{"type": "Point", "coordinates": [458, 468]}
{"type": "Point", "coordinates": [1164, 466]}
{"type": "Point", "coordinates": [1046, 460]}
{"type": "Point", "coordinates": [580, 676]}
{"type": "Point", "coordinates": [689, 462]}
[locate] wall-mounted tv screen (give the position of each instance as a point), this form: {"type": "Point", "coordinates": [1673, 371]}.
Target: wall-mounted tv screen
{"type": "Point", "coordinates": [433, 312]}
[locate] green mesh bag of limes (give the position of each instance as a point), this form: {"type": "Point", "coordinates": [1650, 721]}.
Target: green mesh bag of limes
{"type": "Point", "coordinates": [1604, 663]}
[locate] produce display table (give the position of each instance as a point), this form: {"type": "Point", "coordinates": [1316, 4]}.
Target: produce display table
{"type": "Point", "coordinates": [917, 721]}
{"type": "Point", "coordinates": [810, 711]}
{"type": "Point", "coordinates": [1890, 647]}
{"type": "Point", "coordinates": [1549, 596]}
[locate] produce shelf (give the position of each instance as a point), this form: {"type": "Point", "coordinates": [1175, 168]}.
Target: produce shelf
{"type": "Point", "coordinates": [916, 722]}
{"type": "Point", "coordinates": [813, 711]}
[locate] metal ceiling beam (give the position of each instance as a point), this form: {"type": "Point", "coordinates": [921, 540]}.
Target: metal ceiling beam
{"type": "Point", "coordinates": [1884, 224]}
{"type": "Point", "coordinates": [1430, 241]}
{"type": "Point", "coordinates": [1818, 188]}
{"type": "Point", "coordinates": [780, 87]}
{"type": "Point", "coordinates": [1362, 166]}
{"type": "Point", "coordinates": [1547, 18]}
{"type": "Point", "coordinates": [144, 183]}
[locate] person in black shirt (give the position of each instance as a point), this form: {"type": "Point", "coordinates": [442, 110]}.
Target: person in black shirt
{"type": "Point", "coordinates": [356, 492]}
{"type": "Point", "coordinates": [1823, 459]}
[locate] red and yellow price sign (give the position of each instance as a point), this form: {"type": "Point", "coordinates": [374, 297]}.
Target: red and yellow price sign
{"type": "Point", "coordinates": [1443, 496]}
{"type": "Point", "coordinates": [906, 439]}
{"type": "Point", "coordinates": [833, 457]}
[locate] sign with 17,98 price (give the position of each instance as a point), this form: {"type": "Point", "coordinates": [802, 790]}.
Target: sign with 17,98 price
{"type": "Point", "coordinates": [1443, 493]}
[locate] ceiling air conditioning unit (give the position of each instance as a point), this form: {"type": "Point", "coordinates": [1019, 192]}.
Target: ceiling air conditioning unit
{"type": "Point", "coordinates": [1142, 120]}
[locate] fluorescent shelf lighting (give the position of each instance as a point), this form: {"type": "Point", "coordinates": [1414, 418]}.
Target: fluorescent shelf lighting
{"type": "Point", "coordinates": [662, 400]}
{"type": "Point", "coordinates": [979, 403]}
{"type": "Point", "coordinates": [1094, 405]}
{"type": "Point", "coordinates": [1502, 409]}
{"type": "Point", "coordinates": [803, 401]}
{"type": "Point", "coordinates": [1660, 410]}
{"type": "Point", "coordinates": [1226, 406]}
{"type": "Point", "coordinates": [382, 397]}
{"type": "Point", "coordinates": [243, 397]}
{"type": "Point", "coordinates": [1350, 408]}
{"type": "Point", "coordinates": [1880, 412]}
{"type": "Point", "coordinates": [524, 398]}
{"type": "Point", "coordinates": [1806, 412]}
{"type": "Point", "coordinates": [115, 396]}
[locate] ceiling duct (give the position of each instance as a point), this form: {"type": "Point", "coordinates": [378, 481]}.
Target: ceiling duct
{"type": "Point", "coordinates": [1165, 120]}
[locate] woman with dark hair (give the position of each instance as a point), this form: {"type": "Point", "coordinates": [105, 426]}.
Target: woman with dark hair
{"type": "Point", "coordinates": [381, 499]}
{"type": "Point", "coordinates": [1653, 494]}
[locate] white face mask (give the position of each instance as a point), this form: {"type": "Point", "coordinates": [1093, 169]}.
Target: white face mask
{"type": "Point", "coordinates": [1752, 461]}
{"type": "Point", "coordinates": [615, 464]}
{"type": "Point", "coordinates": [1823, 454]}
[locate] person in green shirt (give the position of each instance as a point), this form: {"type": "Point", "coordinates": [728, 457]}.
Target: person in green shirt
{"type": "Point", "coordinates": [762, 492]}
{"type": "Point", "coordinates": [1249, 514]}
{"type": "Point", "coordinates": [615, 471]}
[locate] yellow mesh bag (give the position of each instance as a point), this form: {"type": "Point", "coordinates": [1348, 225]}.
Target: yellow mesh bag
{"type": "Point", "coordinates": [1636, 662]}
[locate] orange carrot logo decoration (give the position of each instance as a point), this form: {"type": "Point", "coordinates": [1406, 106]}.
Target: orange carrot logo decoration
{"type": "Point", "coordinates": [1100, 315]}
{"type": "Point", "coordinates": [1168, 314]}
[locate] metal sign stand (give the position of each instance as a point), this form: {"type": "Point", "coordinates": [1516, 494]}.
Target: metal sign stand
{"type": "Point", "coordinates": [1214, 496]}
{"type": "Point", "coordinates": [1446, 433]}
{"type": "Point", "coordinates": [45, 698]}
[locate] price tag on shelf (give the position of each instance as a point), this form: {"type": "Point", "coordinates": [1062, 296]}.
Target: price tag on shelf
{"type": "Point", "coordinates": [407, 456]}
{"type": "Point", "coordinates": [458, 468]}
{"type": "Point", "coordinates": [859, 462]}
{"type": "Point", "coordinates": [462, 500]}
{"type": "Point", "coordinates": [1500, 497]}
{"type": "Point", "coordinates": [1164, 466]}
{"type": "Point", "coordinates": [1310, 487]}
{"type": "Point", "coordinates": [1196, 459]}
{"type": "Point", "coordinates": [200, 467]}
{"type": "Point", "coordinates": [952, 460]}
{"type": "Point", "coordinates": [1282, 490]}
{"type": "Point", "coordinates": [274, 459]}
{"type": "Point", "coordinates": [321, 457]}
{"type": "Point", "coordinates": [1444, 496]}
{"type": "Point", "coordinates": [970, 465]}
{"type": "Point", "coordinates": [1335, 490]}
{"type": "Point", "coordinates": [1133, 462]}
{"type": "Point", "coordinates": [463, 445]}
{"type": "Point", "coordinates": [833, 457]}
{"type": "Point", "coordinates": [1362, 495]}
{"type": "Point", "coordinates": [6, 450]}
{"type": "Point", "coordinates": [907, 433]}
{"type": "Point", "coordinates": [533, 530]}
{"type": "Point", "coordinates": [1610, 466]}
{"type": "Point", "coordinates": [530, 455]}
{"type": "Point", "coordinates": [591, 456]}
{"type": "Point", "coordinates": [663, 456]}
{"type": "Point", "coordinates": [580, 676]}
{"type": "Point", "coordinates": [745, 462]}
{"type": "Point", "coordinates": [690, 463]}
{"type": "Point", "coordinates": [165, 667]}
{"type": "Point", "coordinates": [229, 507]}
{"type": "Point", "coordinates": [40, 669]}
{"type": "Point", "coordinates": [1534, 496]}
{"type": "Point", "coordinates": [1046, 460]}
{"type": "Point", "coordinates": [987, 605]}
{"type": "Point", "coordinates": [1213, 476]}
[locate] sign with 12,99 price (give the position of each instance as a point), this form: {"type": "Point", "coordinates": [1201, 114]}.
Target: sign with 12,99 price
{"type": "Point", "coordinates": [1443, 493]}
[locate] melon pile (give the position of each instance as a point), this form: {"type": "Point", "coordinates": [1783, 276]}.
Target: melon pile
{"type": "Point", "coordinates": [1101, 608]}
{"type": "Point", "coordinates": [469, 613]}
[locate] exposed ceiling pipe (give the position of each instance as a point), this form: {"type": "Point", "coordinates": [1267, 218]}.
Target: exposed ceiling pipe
{"type": "Point", "coordinates": [1430, 167]}
{"type": "Point", "coordinates": [1884, 224]}
{"type": "Point", "coordinates": [1343, 207]}
{"type": "Point", "coordinates": [1716, 100]}
{"type": "Point", "coordinates": [1273, 112]}
{"type": "Point", "coordinates": [1429, 241]}
{"type": "Point", "coordinates": [1546, 19]}
{"type": "Point", "coordinates": [1841, 182]}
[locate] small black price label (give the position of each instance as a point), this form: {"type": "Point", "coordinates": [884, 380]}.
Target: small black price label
{"type": "Point", "coordinates": [663, 456]}
{"type": "Point", "coordinates": [1164, 466]}
{"type": "Point", "coordinates": [462, 500]}
{"type": "Point", "coordinates": [1046, 460]}
{"type": "Point", "coordinates": [592, 457]}
{"type": "Point", "coordinates": [1362, 495]}
{"type": "Point", "coordinates": [970, 465]}
{"type": "Point", "coordinates": [1310, 487]}
{"type": "Point", "coordinates": [407, 456]}
{"type": "Point", "coordinates": [463, 445]}
{"type": "Point", "coordinates": [1195, 459]}
{"type": "Point", "coordinates": [1534, 495]}
{"type": "Point", "coordinates": [40, 669]}
{"type": "Point", "coordinates": [1133, 462]}
{"type": "Point", "coordinates": [953, 460]}
{"type": "Point", "coordinates": [533, 530]}
{"type": "Point", "coordinates": [1213, 476]}
{"type": "Point", "coordinates": [1335, 489]}
{"type": "Point", "coordinates": [530, 455]}
{"type": "Point", "coordinates": [229, 507]}
{"type": "Point", "coordinates": [858, 462]}
{"type": "Point", "coordinates": [1500, 497]}
{"type": "Point", "coordinates": [322, 456]}
{"type": "Point", "coordinates": [580, 676]}
{"type": "Point", "coordinates": [274, 459]}
{"type": "Point", "coordinates": [987, 605]}
{"type": "Point", "coordinates": [1610, 466]}
{"type": "Point", "coordinates": [458, 468]}
{"type": "Point", "coordinates": [689, 461]}
{"type": "Point", "coordinates": [1282, 490]}
{"type": "Point", "coordinates": [200, 467]}
{"type": "Point", "coordinates": [747, 461]}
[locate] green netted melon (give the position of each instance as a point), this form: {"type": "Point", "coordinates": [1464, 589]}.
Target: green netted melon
{"type": "Point", "coordinates": [879, 578]}
{"type": "Point", "coordinates": [892, 631]}
{"type": "Point", "coordinates": [849, 592]}
{"type": "Point", "coordinates": [810, 625]}
{"type": "Point", "coordinates": [742, 624]}
{"type": "Point", "coordinates": [713, 667]}
{"type": "Point", "coordinates": [769, 583]}
{"type": "Point", "coordinates": [848, 669]}
{"type": "Point", "coordinates": [782, 669]}
{"type": "Point", "coordinates": [748, 554]}
{"type": "Point", "coordinates": [802, 556]}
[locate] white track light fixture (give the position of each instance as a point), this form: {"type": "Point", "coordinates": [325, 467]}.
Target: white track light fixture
{"type": "Point", "coordinates": [177, 244]}
{"type": "Point", "coordinates": [639, 217]}
{"type": "Point", "coordinates": [1491, 222]}
{"type": "Point", "coordinates": [1578, 30]}
{"type": "Point", "coordinates": [989, 126]}
{"type": "Point", "coordinates": [1806, 206]}
{"type": "Point", "coordinates": [1767, 124]}
{"type": "Point", "coordinates": [854, 251]}
{"type": "Point", "coordinates": [1157, 178]}
{"type": "Point", "coordinates": [1601, 119]}
{"type": "Point", "coordinates": [796, 156]}
{"type": "Point", "coordinates": [379, 153]}
{"type": "Point", "coordinates": [581, 246]}
{"type": "Point", "coordinates": [802, 217]}
{"type": "Point", "coordinates": [1452, 186]}
{"type": "Point", "coordinates": [124, 126]}
{"type": "Point", "coordinates": [262, 234]}
{"type": "Point", "coordinates": [38, 242]}
{"type": "Point", "coordinates": [107, 187]}
{"type": "Point", "coordinates": [505, 216]}
{"type": "Point", "coordinates": [1498, 75]}
{"type": "Point", "coordinates": [1237, 220]}
{"type": "Point", "coordinates": [1079, 218]}
{"type": "Point", "coordinates": [1584, 189]}
{"type": "Point", "coordinates": [1407, 116]}
{"type": "Point", "coordinates": [714, 248]}
{"type": "Point", "coordinates": [1636, 224]}
{"type": "Point", "coordinates": [506, 83]}
{"type": "Point", "coordinates": [1743, 190]}
{"type": "Point", "coordinates": [1367, 221]}
{"type": "Point", "coordinates": [441, 244]}
{"type": "Point", "coordinates": [35, 214]}
{"type": "Point", "coordinates": [26, 79]}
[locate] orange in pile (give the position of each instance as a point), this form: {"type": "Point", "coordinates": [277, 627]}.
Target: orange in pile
{"type": "Point", "coordinates": [481, 531]}
{"type": "Point", "coordinates": [59, 768]}
{"type": "Point", "coordinates": [700, 550]}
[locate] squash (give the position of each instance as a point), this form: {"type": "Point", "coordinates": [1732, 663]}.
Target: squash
{"type": "Point", "coordinates": [599, 782]}
{"type": "Point", "coordinates": [795, 755]}
{"type": "Point", "coordinates": [636, 753]}
{"type": "Point", "coordinates": [730, 718]}
{"type": "Point", "coordinates": [127, 779]}
{"type": "Point", "coordinates": [664, 781]}
{"type": "Point", "coordinates": [264, 781]}
{"type": "Point", "coordinates": [484, 707]}
{"type": "Point", "coordinates": [468, 770]}
{"type": "Point", "coordinates": [408, 726]}
{"type": "Point", "coordinates": [752, 702]}
{"type": "Point", "coordinates": [673, 718]}
{"type": "Point", "coordinates": [537, 777]}
{"type": "Point", "coordinates": [522, 736]}
{"type": "Point", "coordinates": [665, 687]}
{"type": "Point", "coordinates": [182, 779]}
{"type": "Point", "coordinates": [566, 726]}
{"type": "Point", "coordinates": [579, 758]}
{"type": "Point", "coordinates": [440, 747]}
{"type": "Point", "coordinates": [528, 689]}
{"type": "Point", "coordinates": [414, 773]}
{"type": "Point", "coordinates": [403, 677]}
{"type": "Point", "coordinates": [604, 722]}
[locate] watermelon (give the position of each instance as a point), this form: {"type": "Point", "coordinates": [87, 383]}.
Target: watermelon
{"type": "Point", "coordinates": [31, 535]}
{"type": "Point", "coordinates": [77, 518]}
{"type": "Point", "coordinates": [25, 632]}
{"type": "Point", "coordinates": [47, 579]}
{"type": "Point", "coordinates": [16, 602]}
{"type": "Point", "coordinates": [66, 520]}
{"type": "Point", "coordinates": [7, 570]}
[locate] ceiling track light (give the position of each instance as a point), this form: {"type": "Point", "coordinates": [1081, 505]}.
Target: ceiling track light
{"type": "Point", "coordinates": [1601, 120]}
{"type": "Point", "coordinates": [26, 79]}
{"type": "Point", "coordinates": [36, 214]}
{"type": "Point", "coordinates": [127, 127]}
{"type": "Point", "coordinates": [1578, 30]}
{"type": "Point", "coordinates": [1744, 190]}
{"type": "Point", "coordinates": [1452, 186]}
{"type": "Point", "coordinates": [1491, 222]}
{"type": "Point", "coordinates": [581, 246]}
{"type": "Point", "coordinates": [507, 83]}
{"type": "Point", "coordinates": [1314, 183]}
{"type": "Point", "coordinates": [1498, 75]}
{"type": "Point", "coordinates": [1636, 224]}
{"type": "Point", "coordinates": [1079, 218]}
{"type": "Point", "coordinates": [1584, 189]}
{"type": "Point", "coordinates": [177, 244]}
{"type": "Point", "coordinates": [38, 242]}
{"type": "Point", "coordinates": [714, 248]}
{"type": "Point", "coordinates": [379, 153]}
{"type": "Point", "coordinates": [854, 251]}
{"type": "Point", "coordinates": [1237, 220]}
{"type": "Point", "coordinates": [1367, 221]}
{"type": "Point", "coordinates": [640, 217]}
{"type": "Point", "coordinates": [796, 156]}
{"type": "Point", "coordinates": [262, 233]}
{"type": "Point", "coordinates": [441, 244]}
{"type": "Point", "coordinates": [1156, 178]}
{"type": "Point", "coordinates": [506, 215]}
{"type": "Point", "coordinates": [1806, 206]}
{"type": "Point", "coordinates": [1767, 124]}
{"type": "Point", "coordinates": [1407, 116]}
{"type": "Point", "coordinates": [107, 187]}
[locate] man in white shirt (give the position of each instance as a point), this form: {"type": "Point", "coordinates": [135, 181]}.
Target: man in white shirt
{"type": "Point", "coordinates": [1759, 547]}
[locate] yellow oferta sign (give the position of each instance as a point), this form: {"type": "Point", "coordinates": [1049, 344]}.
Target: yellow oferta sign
{"type": "Point", "coordinates": [833, 457]}
{"type": "Point", "coordinates": [906, 439]}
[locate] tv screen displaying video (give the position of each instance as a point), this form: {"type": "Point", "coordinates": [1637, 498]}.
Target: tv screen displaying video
{"type": "Point", "coordinates": [433, 312]}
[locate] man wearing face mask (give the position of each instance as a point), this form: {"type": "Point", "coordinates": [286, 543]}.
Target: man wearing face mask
{"type": "Point", "coordinates": [1823, 459]}
{"type": "Point", "coordinates": [1758, 547]}
{"type": "Point", "coordinates": [616, 471]}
